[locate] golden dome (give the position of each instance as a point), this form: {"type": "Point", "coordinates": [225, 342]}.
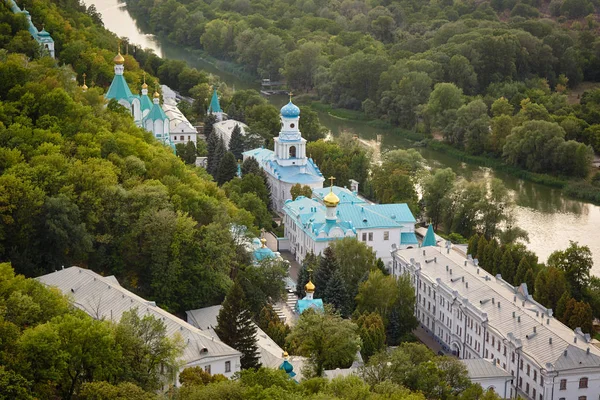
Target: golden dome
{"type": "Point", "coordinates": [84, 87]}
{"type": "Point", "coordinates": [263, 242]}
{"type": "Point", "coordinates": [309, 287]}
{"type": "Point", "coordinates": [285, 354]}
{"type": "Point", "coordinates": [119, 59]}
{"type": "Point", "coordinates": [144, 86]}
{"type": "Point", "coordinates": [156, 95]}
{"type": "Point", "coordinates": [331, 200]}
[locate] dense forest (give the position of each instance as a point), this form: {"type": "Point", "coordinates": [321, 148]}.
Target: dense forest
{"type": "Point", "coordinates": [80, 184]}
{"type": "Point", "coordinates": [489, 78]}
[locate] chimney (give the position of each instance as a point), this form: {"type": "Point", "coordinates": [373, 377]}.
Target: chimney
{"type": "Point", "coordinates": [519, 318]}
{"type": "Point", "coordinates": [534, 329]}
{"type": "Point", "coordinates": [465, 263]}
{"type": "Point", "coordinates": [514, 314]}
{"type": "Point", "coordinates": [423, 252]}
{"type": "Point", "coordinates": [514, 298]}
{"type": "Point", "coordinates": [477, 271]}
{"type": "Point", "coordinates": [462, 278]}
{"type": "Point", "coordinates": [575, 339]}
{"type": "Point", "coordinates": [587, 351]}
{"type": "Point", "coordinates": [467, 285]}
{"type": "Point", "coordinates": [450, 271]}
{"type": "Point", "coordinates": [498, 304]}
{"type": "Point", "coordinates": [446, 268]}
{"type": "Point", "coordinates": [493, 300]}
{"type": "Point", "coordinates": [549, 340]}
{"type": "Point", "coordinates": [565, 353]}
{"type": "Point", "coordinates": [548, 321]}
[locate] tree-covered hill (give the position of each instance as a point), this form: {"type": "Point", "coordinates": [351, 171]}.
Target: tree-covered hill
{"type": "Point", "coordinates": [81, 184]}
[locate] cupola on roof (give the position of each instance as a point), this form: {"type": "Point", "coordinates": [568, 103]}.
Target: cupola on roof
{"type": "Point", "coordinates": [290, 110]}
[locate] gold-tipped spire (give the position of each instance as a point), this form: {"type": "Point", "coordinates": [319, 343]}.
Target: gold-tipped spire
{"type": "Point", "coordinates": [144, 85]}
{"type": "Point", "coordinates": [156, 95]}
{"type": "Point", "coordinates": [309, 287]}
{"type": "Point", "coordinates": [84, 86]}
{"type": "Point", "coordinates": [291, 94]}
{"type": "Point", "coordinates": [119, 59]}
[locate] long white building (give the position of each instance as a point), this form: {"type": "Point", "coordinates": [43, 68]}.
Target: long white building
{"type": "Point", "coordinates": [103, 298]}
{"type": "Point", "coordinates": [476, 315]}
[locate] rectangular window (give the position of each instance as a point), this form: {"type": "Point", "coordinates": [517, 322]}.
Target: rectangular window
{"type": "Point", "coordinates": [527, 387]}
{"type": "Point", "coordinates": [364, 239]}
{"type": "Point", "coordinates": [520, 382]}
{"type": "Point", "coordinates": [207, 368]}
{"type": "Point", "coordinates": [534, 393]}
{"type": "Point", "coordinates": [227, 366]}
{"type": "Point", "coordinates": [534, 375]}
{"type": "Point", "coordinates": [583, 383]}
{"type": "Point", "coordinates": [563, 384]}
{"type": "Point", "coordinates": [528, 369]}
{"type": "Point", "coordinates": [521, 366]}
{"type": "Point", "coordinates": [542, 380]}
{"type": "Point", "coordinates": [493, 340]}
{"type": "Point", "coordinates": [386, 235]}
{"type": "Point", "coordinates": [370, 236]}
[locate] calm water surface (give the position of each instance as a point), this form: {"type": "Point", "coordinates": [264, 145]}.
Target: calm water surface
{"type": "Point", "coordinates": [550, 218]}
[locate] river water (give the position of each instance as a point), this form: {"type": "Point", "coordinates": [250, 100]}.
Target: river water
{"type": "Point", "coordinates": [550, 218]}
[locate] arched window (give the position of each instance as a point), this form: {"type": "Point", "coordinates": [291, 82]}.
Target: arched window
{"type": "Point", "coordinates": [583, 383]}
{"type": "Point", "coordinates": [292, 151]}
{"type": "Point", "coordinates": [181, 138]}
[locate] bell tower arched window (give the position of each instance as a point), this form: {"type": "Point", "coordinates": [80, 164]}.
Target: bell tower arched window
{"type": "Point", "coordinates": [292, 152]}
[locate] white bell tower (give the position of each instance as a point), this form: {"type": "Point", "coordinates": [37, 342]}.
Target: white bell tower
{"type": "Point", "coordinates": [290, 147]}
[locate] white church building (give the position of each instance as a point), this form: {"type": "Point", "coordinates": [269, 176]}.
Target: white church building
{"type": "Point", "coordinates": [288, 164]}
{"type": "Point", "coordinates": [335, 212]}
{"type": "Point", "coordinates": [146, 113]}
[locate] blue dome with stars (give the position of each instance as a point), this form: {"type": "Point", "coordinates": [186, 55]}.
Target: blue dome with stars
{"type": "Point", "coordinates": [290, 110]}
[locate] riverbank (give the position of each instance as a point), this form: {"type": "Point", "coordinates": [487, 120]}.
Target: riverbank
{"type": "Point", "coordinates": [575, 189]}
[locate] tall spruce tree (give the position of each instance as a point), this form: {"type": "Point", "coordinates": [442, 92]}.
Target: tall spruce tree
{"type": "Point", "coordinates": [227, 168]}
{"type": "Point", "coordinates": [236, 143]}
{"type": "Point", "coordinates": [209, 121]}
{"type": "Point", "coordinates": [530, 281]}
{"type": "Point", "coordinates": [507, 266]}
{"type": "Point", "coordinates": [327, 266]}
{"type": "Point", "coordinates": [235, 327]}
{"type": "Point", "coordinates": [497, 260]}
{"type": "Point", "coordinates": [522, 269]}
{"type": "Point", "coordinates": [472, 247]}
{"type": "Point", "coordinates": [480, 254]}
{"type": "Point", "coordinates": [488, 260]}
{"type": "Point", "coordinates": [335, 293]}
{"type": "Point", "coordinates": [310, 263]}
{"type": "Point", "coordinates": [216, 151]}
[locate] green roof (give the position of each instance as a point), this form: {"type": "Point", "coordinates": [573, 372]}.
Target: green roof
{"type": "Point", "coordinates": [156, 113]}
{"type": "Point", "coordinates": [429, 239]}
{"type": "Point", "coordinates": [118, 89]}
{"type": "Point", "coordinates": [214, 107]}
{"type": "Point", "coordinates": [145, 101]}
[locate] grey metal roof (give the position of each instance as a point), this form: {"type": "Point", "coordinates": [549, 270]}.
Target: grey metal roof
{"type": "Point", "coordinates": [479, 368]}
{"type": "Point", "coordinates": [271, 355]}
{"type": "Point", "coordinates": [103, 298]}
{"type": "Point", "coordinates": [568, 349]}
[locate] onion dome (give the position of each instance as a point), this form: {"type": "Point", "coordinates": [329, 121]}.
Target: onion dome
{"type": "Point", "coordinates": [84, 86]}
{"type": "Point", "coordinates": [119, 59]}
{"type": "Point", "coordinates": [331, 200]}
{"type": "Point", "coordinates": [156, 95]}
{"type": "Point", "coordinates": [290, 110]}
{"type": "Point", "coordinates": [309, 287]}
{"type": "Point", "coordinates": [144, 85]}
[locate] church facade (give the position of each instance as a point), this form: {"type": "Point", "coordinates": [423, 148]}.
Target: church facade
{"type": "Point", "coordinates": [287, 165]}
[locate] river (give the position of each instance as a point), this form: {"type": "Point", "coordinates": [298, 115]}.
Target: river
{"type": "Point", "coordinates": [550, 218]}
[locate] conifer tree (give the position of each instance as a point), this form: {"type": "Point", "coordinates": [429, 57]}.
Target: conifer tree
{"type": "Point", "coordinates": [227, 168]}
{"type": "Point", "coordinates": [497, 260]}
{"type": "Point", "coordinates": [327, 266]}
{"type": "Point", "coordinates": [480, 254]}
{"type": "Point", "coordinates": [310, 263]}
{"type": "Point", "coordinates": [209, 121]}
{"type": "Point", "coordinates": [236, 143]}
{"type": "Point", "coordinates": [530, 280]}
{"type": "Point", "coordinates": [521, 271]}
{"type": "Point", "coordinates": [269, 321]}
{"type": "Point", "coordinates": [235, 327]}
{"type": "Point", "coordinates": [561, 306]}
{"type": "Point", "coordinates": [216, 151]}
{"type": "Point", "coordinates": [335, 293]}
{"type": "Point", "coordinates": [490, 249]}
{"type": "Point", "coordinates": [473, 242]}
{"type": "Point", "coordinates": [507, 266]}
